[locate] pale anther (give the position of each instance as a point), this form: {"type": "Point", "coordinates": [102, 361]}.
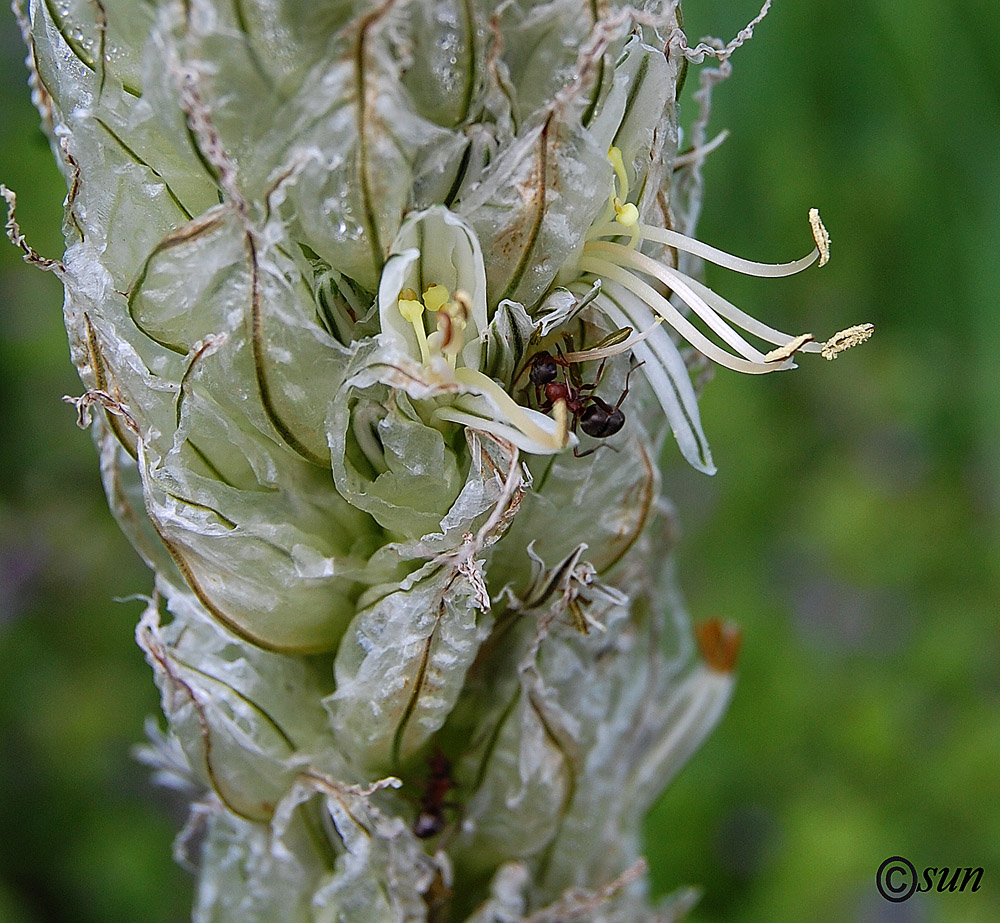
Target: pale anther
{"type": "Point", "coordinates": [845, 339]}
{"type": "Point", "coordinates": [820, 235]}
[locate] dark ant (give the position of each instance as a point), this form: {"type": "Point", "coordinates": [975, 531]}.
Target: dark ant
{"type": "Point", "coordinates": [595, 416]}
{"type": "Point", "coordinates": [431, 820]}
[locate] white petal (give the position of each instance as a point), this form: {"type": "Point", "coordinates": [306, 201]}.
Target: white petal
{"type": "Point", "coordinates": [666, 373]}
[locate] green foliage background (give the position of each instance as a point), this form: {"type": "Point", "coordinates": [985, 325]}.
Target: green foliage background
{"type": "Point", "coordinates": [852, 530]}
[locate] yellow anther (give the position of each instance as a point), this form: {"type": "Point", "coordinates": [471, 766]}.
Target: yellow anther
{"type": "Point", "coordinates": [820, 235]}
{"type": "Point", "coordinates": [410, 305]}
{"type": "Point", "coordinates": [412, 310]}
{"type": "Point", "coordinates": [615, 156]}
{"type": "Point", "coordinates": [627, 214]}
{"type": "Point", "coordinates": [436, 296]}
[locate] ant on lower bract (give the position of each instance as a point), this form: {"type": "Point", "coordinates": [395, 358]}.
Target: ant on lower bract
{"type": "Point", "coordinates": [595, 416]}
{"type": "Point", "coordinates": [433, 802]}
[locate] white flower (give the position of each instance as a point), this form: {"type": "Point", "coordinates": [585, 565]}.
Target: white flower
{"type": "Point", "coordinates": [629, 296]}
{"type": "Point", "coordinates": [433, 316]}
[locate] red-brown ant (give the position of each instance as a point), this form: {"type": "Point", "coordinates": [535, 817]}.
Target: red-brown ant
{"type": "Point", "coordinates": [431, 820]}
{"type": "Point", "coordinates": [595, 416]}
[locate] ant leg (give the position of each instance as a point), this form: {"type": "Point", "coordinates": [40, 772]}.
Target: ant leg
{"type": "Point", "coordinates": [601, 445]}
{"type": "Point", "coordinates": [597, 378]}
{"type": "Point", "coordinates": [632, 368]}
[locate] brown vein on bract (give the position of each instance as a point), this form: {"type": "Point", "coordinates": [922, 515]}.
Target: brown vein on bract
{"type": "Point", "coordinates": [421, 675]}
{"type": "Point", "coordinates": [571, 783]}
{"type": "Point", "coordinates": [189, 578]}
{"type": "Point", "coordinates": [182, 387]}
{"type": "Point", "coordinates": [360, 54]}
{"type": "Point", "coordinates": [258, 65]}
{"type": "Point", "coordinates": [79, 52]}
{"type": "Point", "coordinates": [188, 574]}
{"type": "Point", "coordinates": [134, 156]}
{"type": "Point", "coordinates": [321, 784]}
{"type": "Point", "coordinates": [100, 377]}
{"type": "Point", "coordinates": [682, 73]}
{"type": "Point", "coordinates": [201, 506]}
{"type": "Point", "coordinates": [493, 56]}
{"type": "Point", "coordinates": [208, 463]}
{"type": "Point", "coordinates": [536, 225]}
{"type": "Point", "coordinates": [163, 659]}
{"type": "Point", "coordinates": [257, 343]}
{"type": "Point", "coordinates": [595, 17]}
{"type": "Point", "coordinates": [102, 33]}
{"type": "Point", "coordinates": [491, 743]}
{"type": "Point", "coordinates": [633, 91]}
{"type": "Point", "coordinates": [470, 84]}
{"type": "Point", "coordinates": [204, 223]}
{"type": "Point", "coordinates": [123, 508]}
{"type": "Point", "coordinates": [182, 391]}
{"type": "Point", "coordinates": [243, 698]}
{"type": "Point", "coordinates": [645, 505]}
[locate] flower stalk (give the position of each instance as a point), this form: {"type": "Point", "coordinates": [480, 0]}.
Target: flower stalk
{"type": "Point", "coordinates": [357, 292]}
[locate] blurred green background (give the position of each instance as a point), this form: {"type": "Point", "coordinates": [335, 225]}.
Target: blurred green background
{"type": "Point", "coordinates": [852, 530]}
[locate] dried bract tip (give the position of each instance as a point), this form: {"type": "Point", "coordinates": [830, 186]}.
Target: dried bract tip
{"type": "Point", "coordinates": [789, 349]}
{"type": "Point", "coordinates": [820, 235]}
{"type": "Point", "coordinates": [719, 644]}
{"type": "Point", "coordinates": [845, 339]}
{"type": "Point", "coordinates": [17, 238]}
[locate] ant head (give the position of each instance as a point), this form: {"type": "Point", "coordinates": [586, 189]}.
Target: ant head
{"type": "Point", "coordinates": [544, 369]}
{"type": "Point", "coordinates": [601, 420]}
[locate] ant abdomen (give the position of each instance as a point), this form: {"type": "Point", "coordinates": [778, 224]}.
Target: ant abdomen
{"type": "Point", "coordinates": [600, 420]}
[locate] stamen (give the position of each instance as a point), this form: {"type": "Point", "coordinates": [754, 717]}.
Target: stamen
{"type": "Point", "coordinates": [435, 297]}
{"type": "Point", "coordinates": [719, 257]}
{"type": "Point", "coordinates": [750, 324]}
{"type": "Point", "coordinates": [618, 209]}
{"type": "Point", "coordinates": [410, 305]}
{"type": "Point", "coordinates": [789, 349]}
{"type": "Point", "coordinates": [412, 310]}
{"type": "Point", "coordinates": [820, 235]}
{"type": "Point", "coordinates": [615, 156]}
{"type": "Point", "coordinates": [845, 339]}
{"type": "Point", "coordinates": [453, 317]}
{"type": "Point", "coordinates": [679, 283]}
{"type": "Point", "coordinates": [505, 431]}
{"type": "Point", "coordinates": [513, 411]}
{"type": "Point", "coordinates": [626, 215]}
